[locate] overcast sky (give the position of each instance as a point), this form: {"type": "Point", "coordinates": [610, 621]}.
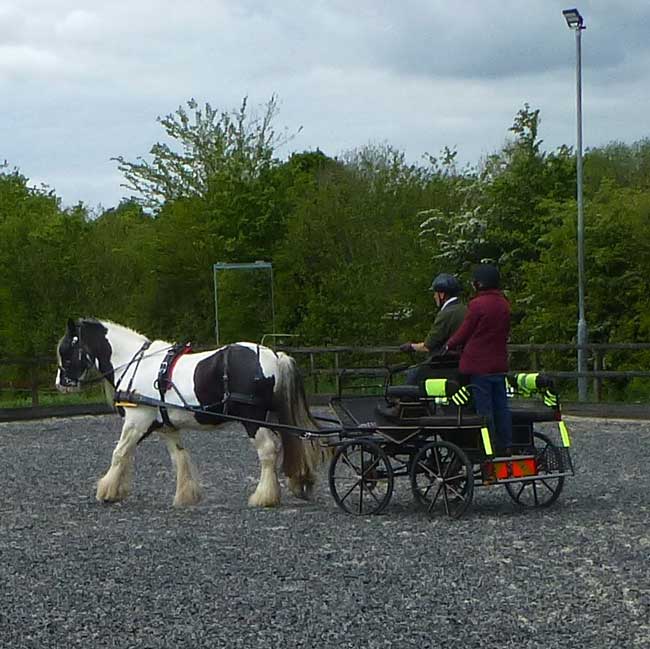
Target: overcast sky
{"type": "Point", "coordinates": [82, 81]}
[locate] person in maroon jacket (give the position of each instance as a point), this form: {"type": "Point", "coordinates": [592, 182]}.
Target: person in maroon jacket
{"type": "Point", "coordinates": [483, 338]}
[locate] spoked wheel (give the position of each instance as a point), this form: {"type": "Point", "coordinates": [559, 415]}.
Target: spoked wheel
{"type": "Point", "coordinates": [442, 479]}
{"type": "Point", "coordinates": [544, 489]}
{"type": "Point", "coordinates": [361, 478]}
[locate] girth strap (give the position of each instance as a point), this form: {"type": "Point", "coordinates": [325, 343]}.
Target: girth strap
{"type": "Point", "coordinates": [260, 385]}
{"type": "Point", "coordinates": [226, 390]}
{"type": "Point", "coordinates": [164, 381]}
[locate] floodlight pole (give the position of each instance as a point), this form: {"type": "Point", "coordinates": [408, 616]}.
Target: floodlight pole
{"type": "Point", "coordinates": [575, 22]}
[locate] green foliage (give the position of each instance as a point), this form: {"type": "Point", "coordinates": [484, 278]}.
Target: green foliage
{"type": "Point", "coordinates": [216, 151]}
{"type": "Point", "coordinates": [354, 241]}
{"type": "Point", "coordinates": [351, 262]}
{"type": "Point", "coordinates": [218, 194]}
{"type": "Point", "coordinates": [41, 266]}
{"type": "Point", "coordinates": [618, 163]}
{"type": "Point", "coordinates": [119, 279]}
{"type": "Point", "coordinates": [503, 210]}
{"type": "Point", "coordinates": [617, 237]}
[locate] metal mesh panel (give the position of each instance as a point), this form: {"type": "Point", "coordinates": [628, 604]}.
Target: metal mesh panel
{"type": "Point", "coordinates": [555, 460]}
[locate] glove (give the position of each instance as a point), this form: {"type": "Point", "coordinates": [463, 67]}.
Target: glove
{"type": "Point", "coordinates": [406, 347]}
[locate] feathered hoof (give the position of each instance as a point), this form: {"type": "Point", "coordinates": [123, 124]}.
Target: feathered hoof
{"type": "Point", "coordinates": [190, 495]}
{"type": "Point", "coordinates": [109, 492]}
{"type": "Point", "coordinates": [257, 499]}
{"type": "Point", "coordinates": [302, 490]}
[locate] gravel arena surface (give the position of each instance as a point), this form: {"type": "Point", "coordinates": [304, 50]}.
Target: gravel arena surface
{"type": "Point", "coordinates": [78, 573]}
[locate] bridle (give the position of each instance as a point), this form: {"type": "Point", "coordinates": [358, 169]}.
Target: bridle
{"type": "Point", "coordinates": [87, 361]}
{"type": "Point", "coordinates": [84, 358]}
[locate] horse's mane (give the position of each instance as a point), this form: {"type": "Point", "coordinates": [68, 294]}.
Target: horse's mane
{"type": "Point", "coordinates": [113, 325]}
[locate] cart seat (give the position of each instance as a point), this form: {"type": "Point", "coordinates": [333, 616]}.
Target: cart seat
{"type": "Point", "coordinates": [405, 392]}
{"type": "Point", "coordinates": [448, 419]}
{"type": "Point", "coordinates": [433, 388]}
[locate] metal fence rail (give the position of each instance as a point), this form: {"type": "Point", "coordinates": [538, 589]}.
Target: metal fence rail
{"type": "Point", "coordinates": [332, 367]}
{"type": "Point", "coordinates": [325, 367]}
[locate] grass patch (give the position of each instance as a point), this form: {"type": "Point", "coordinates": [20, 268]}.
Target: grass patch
{"type": "Point", "coordinates": [50, 398]}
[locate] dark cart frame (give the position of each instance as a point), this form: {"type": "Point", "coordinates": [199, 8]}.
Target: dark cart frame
{"type": "Point", "coordinates": [445, 448]}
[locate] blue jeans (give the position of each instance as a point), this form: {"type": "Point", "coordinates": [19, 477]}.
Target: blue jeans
{"type": "Point", "coordinates": [491, 401]}
{"type": "Point", "coordinates": [413, 376]}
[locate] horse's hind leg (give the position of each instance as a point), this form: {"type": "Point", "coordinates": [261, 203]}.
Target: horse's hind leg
{"type": "Point", "coordinates": [116, 483]}
{"type": "Point", "coordinates": [269, 450]}
{"type": "Point", "coordinates": [188, 487]}
{"type": "Point", "coordinates": [300, 459]}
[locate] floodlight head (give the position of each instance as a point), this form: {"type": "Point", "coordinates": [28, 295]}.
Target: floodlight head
{"type": "Point", "coordinates": [573, 19]}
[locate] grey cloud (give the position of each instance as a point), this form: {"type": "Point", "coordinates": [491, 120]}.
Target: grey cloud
{"type": "Point", "coordinates": [85, 81]}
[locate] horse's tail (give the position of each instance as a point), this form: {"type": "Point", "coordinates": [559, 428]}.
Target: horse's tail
{"type": "Point", "coordinates": [301, 457]}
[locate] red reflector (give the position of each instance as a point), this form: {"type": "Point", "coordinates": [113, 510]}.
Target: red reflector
{"type": "Point", "coordinates": [504, 469]}
{"type": "Point", "coordinates": [521, 468]}
{"type": "Point", "coordinates": [558, 415]}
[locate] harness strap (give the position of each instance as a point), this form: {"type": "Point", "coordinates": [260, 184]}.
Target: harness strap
{"type": "Point", "coordinates": [226, 391]}
{"type": "Point", "coordinates": [137, 357]}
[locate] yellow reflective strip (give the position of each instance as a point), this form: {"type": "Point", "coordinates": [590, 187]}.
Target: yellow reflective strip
{"type": "Point", "coordinates": [527, 383]}
{"type": "Point", "coordinates": [564, 431]}
{"type": "Point", "coordinates": [487, 444]}
{"type": "Point", "coordinates": [550, 399]}
{"type": "Point", "coordinates": [436, 387]}
{"type": "Point", "coordinates": [531, 381]}
{"type": "Point", "coordinates": [125, 404]}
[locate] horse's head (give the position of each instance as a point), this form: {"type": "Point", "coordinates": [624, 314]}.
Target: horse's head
{"type": "Point", "coordinates": [81, 349]}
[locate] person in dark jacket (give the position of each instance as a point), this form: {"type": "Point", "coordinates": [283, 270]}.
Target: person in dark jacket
{"type": "Point", "coordinates": [483, 337]}
{"type": "Point", "coordinates": [446, 289]}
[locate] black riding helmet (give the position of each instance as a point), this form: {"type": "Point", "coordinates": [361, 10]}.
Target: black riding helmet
{"type": "Point", "coordinates": [486, 276]}
{"type": "Point", "coordinates": [446, 283]}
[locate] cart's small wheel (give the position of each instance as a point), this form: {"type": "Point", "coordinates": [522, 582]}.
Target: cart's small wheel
{"type": "Point", "coordinates": [544, 489]}
{"type": "Point", "coordinates": [361, 478]}
{"type": "Point", "coordinates": [442, 479]}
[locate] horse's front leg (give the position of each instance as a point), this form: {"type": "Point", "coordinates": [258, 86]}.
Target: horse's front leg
{"type": "Point", "coordinates": [188, 487]}
{"type": "Point", "coordinates": [269, 450]}
{"type": "Point", "coordinates": [115, 485]}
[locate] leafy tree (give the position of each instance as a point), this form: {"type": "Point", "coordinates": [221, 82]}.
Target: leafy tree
{"type": "Point", "coordinates": [121, 277]}
{"type": "Point", "coordinates": [625, 165]}
{"type": "Point", "coordinates": [350, 262]}
{"type": "Point", "coordinates": [186, 246]}
{"type": "Point", "coordinates": [216, 149]}
{"type": "Point", "coordinates": [501, 209]}
{"type": "Point", "coordinates": [41, 264]}
{"type": "Point", "coordinates": [217, 194]}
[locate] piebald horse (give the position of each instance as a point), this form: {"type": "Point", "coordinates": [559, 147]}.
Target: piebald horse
{"type": "Point", "coordinates": [240, 380]}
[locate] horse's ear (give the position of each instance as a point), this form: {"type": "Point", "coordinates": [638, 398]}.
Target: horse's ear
{"type": "Point", "coordinates": [72, 327]}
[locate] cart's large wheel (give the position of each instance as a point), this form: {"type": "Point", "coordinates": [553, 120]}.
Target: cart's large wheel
{"type": "Point", "coordinates": [442, 479]}
{"type": "Point", "coordinates": [544, 489]}
{"type": "Point", "coordinates": [361, 478]}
